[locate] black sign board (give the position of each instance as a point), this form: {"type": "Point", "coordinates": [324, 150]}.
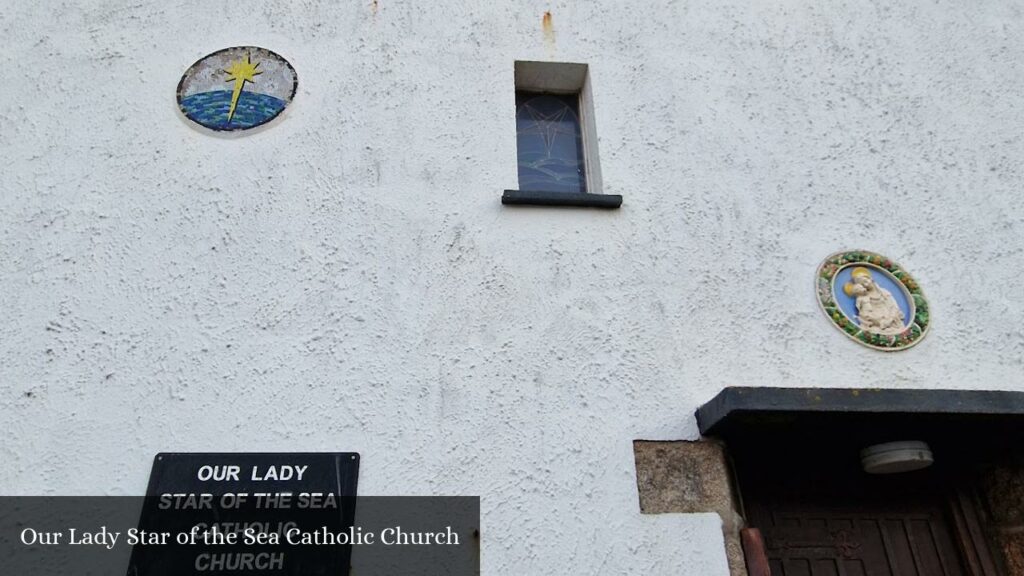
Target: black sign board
{"type": "Point", "coordinates": [231, 512]}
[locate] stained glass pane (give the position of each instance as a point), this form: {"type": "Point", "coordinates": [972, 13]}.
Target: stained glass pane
{"type": "Point", "coordinates": [550, 143]}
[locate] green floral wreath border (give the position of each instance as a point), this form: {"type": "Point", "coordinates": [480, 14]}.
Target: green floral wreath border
{"type": "Point", "coordinates": [887, 342]}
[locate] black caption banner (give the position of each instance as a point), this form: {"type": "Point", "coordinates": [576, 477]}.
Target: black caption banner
{"type": "Point", "coordinates": [264, 514]}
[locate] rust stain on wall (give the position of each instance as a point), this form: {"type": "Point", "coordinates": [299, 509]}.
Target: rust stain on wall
{"type": "Point", "coordinates": [548, 26]}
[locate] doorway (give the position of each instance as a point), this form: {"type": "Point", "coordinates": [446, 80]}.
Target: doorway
{"type": "Point", "coordinates": [814, 510]}
{"type": "Point", "coordinates": [856, 526]}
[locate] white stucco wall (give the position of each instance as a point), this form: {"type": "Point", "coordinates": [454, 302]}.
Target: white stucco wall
{"type": "Point", "coordinates": [347, 280]}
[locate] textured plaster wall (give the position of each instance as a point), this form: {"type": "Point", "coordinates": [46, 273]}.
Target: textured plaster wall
{"type": "Point", "coordinates": [346, 278]}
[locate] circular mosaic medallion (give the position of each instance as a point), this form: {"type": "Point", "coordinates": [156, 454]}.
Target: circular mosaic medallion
{"type": "Point", "coordinates": [872, 300]}
{"type": "Point", "coordinates": [237, 88]}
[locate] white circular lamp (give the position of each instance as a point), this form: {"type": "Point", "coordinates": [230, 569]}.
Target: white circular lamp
{"type": "Point", "coordinates": [895, 457]}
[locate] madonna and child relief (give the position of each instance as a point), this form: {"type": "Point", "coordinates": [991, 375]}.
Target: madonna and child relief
{"type": "Point", "coordinates": [877, 310]}
{"type": "Point", "coordinates": [873, 300]}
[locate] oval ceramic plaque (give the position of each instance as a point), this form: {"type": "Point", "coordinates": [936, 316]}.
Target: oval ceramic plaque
{"type": "Point", "coordinates": [237, 88]}
{"type": "Point", "coordinates": [872, 300]}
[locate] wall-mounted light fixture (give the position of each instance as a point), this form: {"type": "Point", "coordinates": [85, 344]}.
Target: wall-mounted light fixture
{"type": "Point", "coordinates": [894, 457]}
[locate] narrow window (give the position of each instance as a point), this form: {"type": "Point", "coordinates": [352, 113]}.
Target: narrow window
{"type": "Point", "coordinates": [556, 139]}
{"type": "Point", "coordinates": [550, 143]}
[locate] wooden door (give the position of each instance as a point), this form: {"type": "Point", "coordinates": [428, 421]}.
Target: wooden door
{"type": "Point", "coordinates": [819, 513]}
{"type": "Point", "coordinates": [858, 525]}
{"type": "Point", "coordinates": [910, 536]}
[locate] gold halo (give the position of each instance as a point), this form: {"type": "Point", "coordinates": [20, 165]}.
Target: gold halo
{"type": "Point", "coordinates": [848, 289]}
{"type": "Point", "coordinates": [860, 271]}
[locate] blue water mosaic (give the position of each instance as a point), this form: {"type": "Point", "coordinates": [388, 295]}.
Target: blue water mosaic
{"type": "Point", "coordinates": [211, 109]}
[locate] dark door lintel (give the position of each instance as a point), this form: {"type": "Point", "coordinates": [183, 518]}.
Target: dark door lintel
{"type": "Point", "coordinates": [739, 407]}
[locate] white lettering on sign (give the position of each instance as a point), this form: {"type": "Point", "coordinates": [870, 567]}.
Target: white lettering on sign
{"type": "Point", "coordinates": [221, 473]}
{"type": "Point", "coordinates": [186, 502]}
{"type": "Point", "coordinates": [284, 472]}
{"type": "Point", "coordinates": [247, 561]}
{"type": "Point", "coordinates": [218, 473]}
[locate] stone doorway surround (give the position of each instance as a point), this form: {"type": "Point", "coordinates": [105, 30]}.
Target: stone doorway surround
{"type": "Point", "coordinates": [690, 477]}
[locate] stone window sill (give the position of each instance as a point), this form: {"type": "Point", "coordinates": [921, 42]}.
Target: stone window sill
{"type": "Point", "coordinates": [534, 198]}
